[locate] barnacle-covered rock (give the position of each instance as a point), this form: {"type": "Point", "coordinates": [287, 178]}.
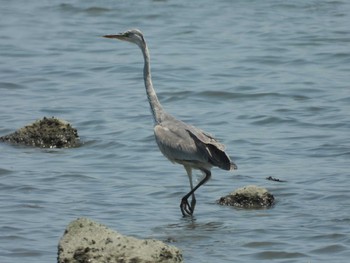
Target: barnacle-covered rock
{"type": "Point", "coordinates": [250, 196]}
{"type": "Point", "coordinates": [85, 240]}
{"type": "Point", "coordinates": [45, 133]}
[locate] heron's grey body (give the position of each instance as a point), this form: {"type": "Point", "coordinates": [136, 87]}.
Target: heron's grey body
{"type": "Point", "coordinates": [179, 142]}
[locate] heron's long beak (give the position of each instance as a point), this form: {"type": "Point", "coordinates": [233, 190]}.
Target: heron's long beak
{"type": "Point", "coordinates": [117, 36]}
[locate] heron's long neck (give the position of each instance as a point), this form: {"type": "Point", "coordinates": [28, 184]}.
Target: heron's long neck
{"type": "Point", "coordinates": [156, 107]}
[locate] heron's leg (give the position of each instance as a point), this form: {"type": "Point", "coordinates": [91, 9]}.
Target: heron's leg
{"type": "Point", "coordinates": [186, 209]}
{"type": "Point", "coordinates": [189, 173]}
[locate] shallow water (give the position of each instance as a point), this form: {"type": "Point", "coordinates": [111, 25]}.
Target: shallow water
{"type": "Point", "coordinates": [269, 79]}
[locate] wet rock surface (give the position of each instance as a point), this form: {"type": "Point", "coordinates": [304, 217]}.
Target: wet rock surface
{"type": "Point", "coordinates": [45, 133]}
{"type": "Point", "coordinates": [87, 241]}
{"type": "Point", "coordinates": [248, 197]}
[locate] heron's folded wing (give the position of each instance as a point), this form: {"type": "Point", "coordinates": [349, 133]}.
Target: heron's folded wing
{"type": "Point", "coordinates": [176, 144]}
{"type": "Point", "coordinates": [205, 137]}
{"type": "Point", "coordinates": [181, 142]}
{"type": "Point", "coordinates": [215, 150]}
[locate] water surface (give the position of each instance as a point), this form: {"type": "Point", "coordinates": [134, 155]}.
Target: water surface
{"type": "Point", "coordinates": [270, 79]}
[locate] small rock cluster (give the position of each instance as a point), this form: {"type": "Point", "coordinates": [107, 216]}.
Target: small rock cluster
{"type": "Point", "coordinates": [250, 196]}
{"type": "Point", "coordinates": [45, 133]}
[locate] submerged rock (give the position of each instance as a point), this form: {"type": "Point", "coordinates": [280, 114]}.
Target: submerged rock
{"type": "Point", "coordinates": [87, 241]}
{"type": "Point", "coordinates": [45, 133]}
{"type": "Point", "coordinates": [250, 196]}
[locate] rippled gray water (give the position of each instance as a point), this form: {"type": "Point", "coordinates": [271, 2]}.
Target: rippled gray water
{"type": "Point", "coordinates": [269, 78]}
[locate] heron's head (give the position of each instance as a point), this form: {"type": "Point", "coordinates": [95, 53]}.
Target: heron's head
{"type": "Point", "coordinates": [133, 35]}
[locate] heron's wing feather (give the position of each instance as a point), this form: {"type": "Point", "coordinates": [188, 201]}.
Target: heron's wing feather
{"type": "Point", "coordinates": [179, 141]}
{"type": "Point", "coordinates": [215, 150]}
{"type": "Point", "coordinates": [176, 143]}
{"type": "Point", "coordinates": [205, 137]}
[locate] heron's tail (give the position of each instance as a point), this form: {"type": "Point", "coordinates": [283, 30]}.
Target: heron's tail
{"type": "Point", "coordinates": [233, 166]}
{"type": "Point", "coordinates": [214, 150]}
{"type": "Point", "coordinates": [219, 158]}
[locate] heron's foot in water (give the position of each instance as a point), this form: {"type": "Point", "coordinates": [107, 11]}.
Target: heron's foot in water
{"type": "Point", "coordinates": [186, 208]}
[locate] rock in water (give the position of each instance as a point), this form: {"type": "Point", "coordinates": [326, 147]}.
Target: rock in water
{"type": "Point", "coordinates": [45, 133]}
{"type": "Point", "coordinates": [87, 241]}
{"type": "Point", "coordinates": [250, 196]}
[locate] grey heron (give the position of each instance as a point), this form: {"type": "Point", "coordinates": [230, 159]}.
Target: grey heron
{"type": "Point", "coordinates": [178, 141]}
